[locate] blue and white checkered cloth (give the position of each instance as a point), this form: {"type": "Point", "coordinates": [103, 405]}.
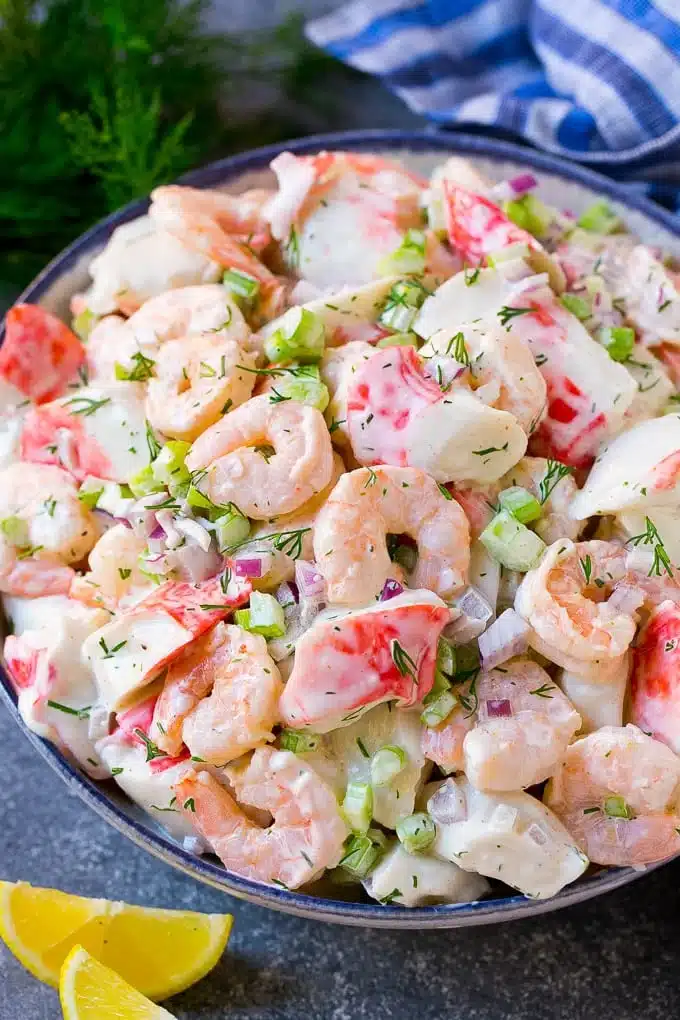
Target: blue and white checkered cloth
{"type": "Point", "coordinates": [594, 80]}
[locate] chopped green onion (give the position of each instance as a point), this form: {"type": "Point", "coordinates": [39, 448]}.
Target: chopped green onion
{"type": "Point", "coordinates": [519, 502]}
{"type": "Point", "coordinates": [84, 323]}
{"type": "Point", "coordinates": [398, 340]}
{"type": "Point", "coordinates": [416, 832]}
{"type": "Point", "coordinates": [529, 213]}
{"type": "Point", "coordinates": [511, 543]}
{"type": "Point", "coordinates": [363, 852]}
{"type": "Point", "coordinates": [89, 492]}
{"type": "Point", "coordinates": [618, 341]}
{"type": "Point", "coordinates": [616, 807]}
{"type": "Point", "coordinates": [244, 287]}
{"type": "Point", "coordinates": [409, 257]}
{"type": "Point", "coordinates": [143, 483]}
{"type": "Point", "coordinates": [169, 468]}
{"type": "Point", "coordinates": [437, 707]}
{"type": "Point", "coordinates": [387, 763]}
{"type": "Point", "coordinates": [401, 307]}
{"type": "Point", "coordinates": [357, 806]}
{"type": "Point", "coordinates": [15, 530]}
{"type": "Point", "coordinates": [599, 218]}
{"type": "Point", "coordinates": [304, 385]}
{"type": "Point", "coordinates": [231, 529]}
{"type": "Point", "coordinates": [577, 305]}
{"type": "Point", "coordinates": [265, 616]}
{"type": "Point", "coordinates": [300, 337]}
{"type": "Point", "coordinates": [298, 741]}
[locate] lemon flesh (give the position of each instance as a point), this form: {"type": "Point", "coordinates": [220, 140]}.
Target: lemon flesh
{"type": "Point", "coordinates": [159, 952]}
{"type": "Point", "coordinates": [90, 991]}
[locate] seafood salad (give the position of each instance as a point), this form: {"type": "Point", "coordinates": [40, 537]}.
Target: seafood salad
{"type": "Point", "coordinates": [340, 529]}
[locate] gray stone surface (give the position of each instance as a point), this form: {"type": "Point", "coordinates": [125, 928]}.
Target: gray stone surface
{"type": "Point", "coordinates": [616, 958]}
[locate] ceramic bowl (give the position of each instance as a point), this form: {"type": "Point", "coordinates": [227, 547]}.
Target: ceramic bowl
{"type": "Point", "coordinates": [564, 184]}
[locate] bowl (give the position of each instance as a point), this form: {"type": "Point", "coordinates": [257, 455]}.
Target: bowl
{"type": "Point", "coordinates": [560, 182]}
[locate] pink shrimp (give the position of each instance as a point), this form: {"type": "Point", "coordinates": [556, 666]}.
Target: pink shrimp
{"type": "Point", "coordinates": [307, 834]}
{"type": "Point", "coordinates": [220, 698]}
{"type": "Point", "coordinates": [655, 681]}
{"type": "Point", "coordinates": [443, 744]}
{"type": "Point", "coordinates": [616, 792]}
{"type": "Point", "coordinates": [39, 355]}
{"type": "Point", "coordinates": [345, 664]}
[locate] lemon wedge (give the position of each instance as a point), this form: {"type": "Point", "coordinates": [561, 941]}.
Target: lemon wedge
{"type": "Point", "coordinates": [90, 991]}
{"type": "Point", "coordinates": [159, 952]}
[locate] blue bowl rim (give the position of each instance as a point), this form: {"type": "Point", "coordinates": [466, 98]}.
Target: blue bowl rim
{"type": "Point", "coordinates": [371, 915]}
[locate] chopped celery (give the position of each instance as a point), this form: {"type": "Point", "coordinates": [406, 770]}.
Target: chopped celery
{"type": "Point", "coordinates": [244, 287]}
{"type": "Point", "coordinates": [521, 504]}
{"type": "Point", "coordinates": [304, 385]}
{"type": "Point", "coordinates": [169, 468]}
{"type": "Point", "coordinates": [401, 307]}
{"type": "Point", "coordinates": [416, 832]}
{"type": "Point", "coordinates": [386, 763]}
{"type": "Point", "coordinates": [15, 530]}
{"type": "Point", "coordinates": [143, 482]}
{"type": "Point", "coordinates": [398, 340]}
{"type": "Point", "coordinates": [89, 492]}
{"type": "Point", "coordinates": [363, 852]}
{"type": "Point", "coordinates": [529, 213]}
{"type": "Point", "coordinates": [409, 257]}
{"type": "Point", "coordinates": [265, 616]}
{"type": "Point", "coordinates": [577, 305]}
{"type": "Point", "coordinates": [357, 806]}
{"type": "Point", "coordinates": [300, 337]}
{"type": "Point", "coordinates": [600, 218]}
{"type": "Point", "coordinates": [437, 707]}
{"type": "Point", "coordinates": [511, 543]}
{"type": "Point", "coordinates": [507, 254]}
{"type": "Point", "coordinates": [84, 323]}
{"type": "Point", "coordinates": [616, 807]}
{"type": "Point", "coordinates": [201, 503]}
{"type": "Point", "coordinates": [446, 657]}
{"type": "Point", "coordinates": [298, 741]}
{"type": "Point", "coordinates": [230, 529]}
{"type": "Point", "coordinates": [618, 341]}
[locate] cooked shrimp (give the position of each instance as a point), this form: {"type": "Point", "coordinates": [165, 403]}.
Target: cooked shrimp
{"type": "Point", "coordinates": [307, 834]}
{"type": "Point", "coordinates": [173, 315]}
{"type": "Point", "coordinates": [114, 569]}
{"type": "Point", "coordinates": [220, 698]}
{"type": "Point", "coordinates": [350, 534]}
{"type": "Point", "coordinates": [277, 564]}
{"type": "Point", "coordinates": [567, 601]}
{"type": "Point", "coordinates": [346, 663]}
{"type": "Point", "coordinates": [443, 744]}
{"type": "Point", "coordinates": [49, 528]}
{"type": "Point", "coordinates": [196, 380]}
{"type": "Point", "coordinates": [241, 467]}
{"type": "Point", "coordinates": [655, 683]}
{"type": "Point", "coordinates": [524, 723]}
{"type": "Point", "coordinates": [616, 791]}
{"type": "Point", "coordinates": [228, 229]}
{"type": "Point", "coordinates": [502, 371]}
{"type": "Point", "coordinates": [555, 492]}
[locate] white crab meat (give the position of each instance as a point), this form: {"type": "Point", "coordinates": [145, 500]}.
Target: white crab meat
{"type": "Point", "coordinates": [419, 880]}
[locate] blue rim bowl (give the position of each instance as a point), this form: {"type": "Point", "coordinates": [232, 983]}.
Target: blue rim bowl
{"type": "Point", "coordinates": [114, 807]}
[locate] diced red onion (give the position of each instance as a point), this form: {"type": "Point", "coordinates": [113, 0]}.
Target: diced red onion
{"type": "Point", "coordinates": [390, 589]}
{"type": "Point", "coordinates": [309, 581]}
{"type": "Point", "coordinates": [627, 598]}
{"type": "Point", "coordinates": [124, 521]}
{"type": "Point", "coordinates": [251, 567]}
{"type": "Point", "coordinates": [194, 564]}
{"type": "Point", "coordinates": [518, 185]}
{"type": "Point", "coordinates": [448, 804]}
{"type": "Point", "coordinates": [442, 369]}
{"type": "Point", "coordinates": [538, 835]}
{"type": "Point", "coordinates": [475, 613]}
{"type": "Point", "coordinates": [507, 636]}
{"type": "Point", "coordinates": [194, 531]}
{"type": "Point", "coordinates": [498, 708]}
{"type": "Point", "coordinates": [158, 532]}
{"type": "Point", "coordinates": [285, 595]}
